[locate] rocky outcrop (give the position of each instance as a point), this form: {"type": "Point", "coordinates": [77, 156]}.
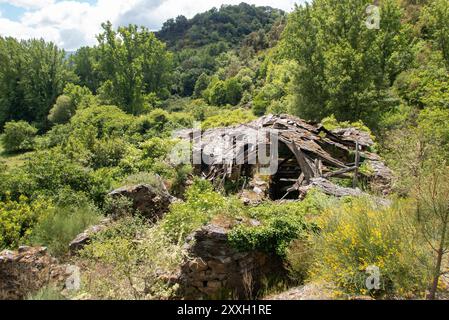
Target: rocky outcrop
{"type": "Point", "coordinates": [27, 270]}
{"type": "Point", "coordinates": [217, 270]}
{"type": "Point", "coordinates": [85, 238]}
{"type": "Point", "coordinates": [329, 188]}
{"type": "Point", "coordinates": [381, 178]}
{"type": "Point", "coordinates": [152, 202]}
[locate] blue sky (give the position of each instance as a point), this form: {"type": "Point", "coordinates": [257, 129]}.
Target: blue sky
{"type": "Point", "coordinates": [74, 23]}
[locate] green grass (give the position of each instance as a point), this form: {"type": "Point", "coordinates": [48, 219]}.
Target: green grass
{"type": "Point", "coordinates": [12, 160]}
{"type": "Point", "coordinates": [46, 294]}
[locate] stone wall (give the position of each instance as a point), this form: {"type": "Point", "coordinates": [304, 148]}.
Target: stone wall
{"type": "Point", "coordinates": [216, 270]}
{"type": "Point", "coordinates": [26, 271]}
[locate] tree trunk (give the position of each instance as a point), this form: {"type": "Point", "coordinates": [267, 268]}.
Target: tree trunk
{"type": "Point", "coordinates": [436, 278]}
{"type": "Point", "coordinates": [440, 255]}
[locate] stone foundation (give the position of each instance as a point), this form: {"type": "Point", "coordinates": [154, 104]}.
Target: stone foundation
{"type": "Point", "coordinates": [216, 270]}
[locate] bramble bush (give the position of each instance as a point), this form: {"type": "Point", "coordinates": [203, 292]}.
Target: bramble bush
{"type": "Point", "coordinates": [282, 223]}
{"type": "Point", "coordinates": [274, 236]}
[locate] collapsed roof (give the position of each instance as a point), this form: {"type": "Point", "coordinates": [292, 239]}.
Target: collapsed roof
{"type": "Point", "coordinates": [307, 155]}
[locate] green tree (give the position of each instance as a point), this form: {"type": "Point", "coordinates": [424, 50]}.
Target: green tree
{"type": "Point", "coordinates": [233, 90]}
{"type": "Point", "coordinates": [32, 75]}
{"type": "Point", "coordinates": [216, 92]}
{"type": "Point", "coordinates": [86, 66]}
{"type": "Point", "coordinates": [229, 23]}
{"type": "Point", "coordinates": [345, 67]}
{"type": "Point", "coordinates": [11, 72]}
{"type": "Point", "coordinates": [201, 85]}
{"type": "Point", "coordinates": [419, 156]}
{"type": "Point", "coordinates": [81, 97]}
{"type": "Point", "coordinates": [436, 24]}
{"type": "Point", "coordinates": [135, 64]}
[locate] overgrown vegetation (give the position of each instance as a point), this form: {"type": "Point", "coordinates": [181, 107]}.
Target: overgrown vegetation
{"type": "Point", "coordinates": [360, 235]}
{"type": "Point", "coordinates": [128, 260]}
{"type": "Point", "coordinates": [74, 128]}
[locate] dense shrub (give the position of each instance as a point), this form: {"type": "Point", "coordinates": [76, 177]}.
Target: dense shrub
{"type": "Point", "coordinates": [221, 93]}
{"type": "Point", "coordinates": [18, 136]}
{"type": "Point", "coordinates": [58, 135]}
{"type": "Point", "coordinates": [274, 236]}
{"type": "Point", "coordinates": [281, 224]}
{"type": "Point", "coordinates": [201, 206]}
{"type": "Point", "coordinates": [17, 219]}
{"type": "Point", "coordinates": [359, 235]}
{"type": "Point", "coordinates": [107, 120]}
{"type": "Point", "coordinates": [51, 170]}
{"type": "Point", "coordinates": [201, 110]}
{"type": "Point", "coordinates": [157, 148]}
{"type": "Point", "coordinates": [15, 183]}
{"type": "Point", "coordinates": [107, 152]}
{"type": "Point", "coordinates": [101, 182]}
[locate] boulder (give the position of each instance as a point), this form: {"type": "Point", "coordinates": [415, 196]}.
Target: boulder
{"type": "Point", "coordinates": [152, 202]}
{"type": "Point", "coordinates": [382, 177]}
{"type": "Point", "coordinates": [84, 238]}
{"type": "Point", "coordinates": [27, 270]}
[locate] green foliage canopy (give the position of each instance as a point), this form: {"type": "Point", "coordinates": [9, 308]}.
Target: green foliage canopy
{"type": "Point", "coordinates": [345, 68]}
{"type": "Point", "coordinates": [135, 64]}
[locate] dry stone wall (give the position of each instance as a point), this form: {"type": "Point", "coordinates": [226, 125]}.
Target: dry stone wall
{"type": "Point", "coordinates": [217, 270]}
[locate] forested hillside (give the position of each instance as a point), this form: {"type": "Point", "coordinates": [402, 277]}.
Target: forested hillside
{"type": "Point", "coordinates": [229, 24]}
{"type": "Point", "coordinates": [75, 127]}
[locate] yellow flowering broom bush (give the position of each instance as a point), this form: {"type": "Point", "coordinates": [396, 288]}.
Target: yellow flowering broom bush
{"type": "Point", "coordinates": [359, 238]}
{"type": "Point", "coordinates": [17, 219]}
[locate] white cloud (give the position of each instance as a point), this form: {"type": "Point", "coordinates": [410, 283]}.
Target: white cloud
{"type": "Point", "coordinates": [72, 24]}
{"type": "Point", "coordinates": [29, 4]}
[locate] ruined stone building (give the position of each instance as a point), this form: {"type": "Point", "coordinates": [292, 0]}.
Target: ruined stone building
{"type": "Point", "coordinates": [281, 157]}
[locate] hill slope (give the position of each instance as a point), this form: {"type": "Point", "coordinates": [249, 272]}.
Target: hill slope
{"type": "Point", "coordinates": [229, 24]}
